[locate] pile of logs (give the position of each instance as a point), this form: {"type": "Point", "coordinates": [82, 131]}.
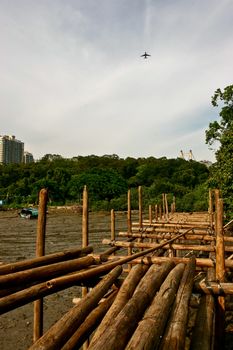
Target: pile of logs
{"type": "Point", "coordinates": [175, 263]}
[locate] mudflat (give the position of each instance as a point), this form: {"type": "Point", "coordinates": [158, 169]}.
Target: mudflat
{"type": "Point", "coordinates": [18, 241]}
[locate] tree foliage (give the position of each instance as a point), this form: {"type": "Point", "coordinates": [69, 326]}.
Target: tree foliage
{"type": "Point", "coordinates": [107, 178]}
{"type": "Point", "coordinates": [221, 131]}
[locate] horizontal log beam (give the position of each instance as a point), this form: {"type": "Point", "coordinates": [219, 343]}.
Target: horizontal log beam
{"type": "Point", "coordinates": [200, 262]}
{"type": "Point", "coordinates": [44, 260]}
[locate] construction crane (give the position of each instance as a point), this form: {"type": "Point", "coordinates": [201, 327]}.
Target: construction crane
{"type": "Point", "coordinates": [188, 155]}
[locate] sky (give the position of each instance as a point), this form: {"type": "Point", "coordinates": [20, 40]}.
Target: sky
{"type": "Point", "coordinates": [73, 82]}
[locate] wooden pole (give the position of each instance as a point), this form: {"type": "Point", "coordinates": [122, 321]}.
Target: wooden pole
{"type": "Point", "coordinates": [202, 336]}
{"type": "Point", "coordinates": [85, 218]}
{"type": "Point", "coordinates": [156, 212]}
{"type": "Point", "coordinates": [40, 251]}
{"type": "Point", "coordinates": [174, 337]}
{"type": "Point", "coordinates": [210, 209]}
{"type": "Point", "coordinates": [220, 274]}
{"type": "Point", "coordinates": [85, 239]}
{"type": "Point", "coordinates": [90, 323]}
{"type": "Point", "coordinates": [129, 223]}
{"type": "Point", "coordinates": [125, 293]}
{"type": "Point", "coordinates": [67, 254]}
{"type": "Point", "coordinates": [140, 206]}
{"type": "Point", "coordinates": [129, 217]}
{"type": "Point", "coordinates": [150, 214]}
{"type": "Point", "coordinates": [119, 332]}
{"type": "Point", "coordinates": [64, 328]}
{"type": "Point", "coordinates": [166, 207]}
{"type": "Point", "coordinates": [147, 335]}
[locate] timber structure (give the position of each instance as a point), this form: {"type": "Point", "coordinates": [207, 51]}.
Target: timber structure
{"type": "Point", "coordinates": [161, 284]}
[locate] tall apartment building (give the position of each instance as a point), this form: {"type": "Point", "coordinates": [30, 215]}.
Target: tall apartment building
{"type": "Point", "coordinates": [28, 157]}
{"type": "Point", "coordinates": [11, 150]}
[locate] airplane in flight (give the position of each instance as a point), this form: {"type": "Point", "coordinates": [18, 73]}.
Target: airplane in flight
{"type": "Point", "coordinates": [145, 55]}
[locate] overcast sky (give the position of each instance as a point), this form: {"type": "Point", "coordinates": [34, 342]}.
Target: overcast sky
{"type": "Point", "coordinates": [73, 82]}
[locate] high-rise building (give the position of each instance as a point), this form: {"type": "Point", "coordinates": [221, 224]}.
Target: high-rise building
{"type": "Point", "coordinates": [11, 150]}
{"type": "Point", "coordinates": [28, 157]}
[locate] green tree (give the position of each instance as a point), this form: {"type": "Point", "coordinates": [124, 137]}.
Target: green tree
{"type": "Point", "coordinates": [221, 131]}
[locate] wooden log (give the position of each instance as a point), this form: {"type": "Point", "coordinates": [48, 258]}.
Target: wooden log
{"type": "Point", "coordinates": [40, 251]}
{"type": "Point", "coordinates": [89, 324]}
{"type": "Point", "coordinates": [140, 219]}
{"type": "Point", "coordinates": [220, 274]}
{"type": "Point", "coordinates": [200, 262]}
{"type": "Point", "coordinates": [129, 217]}
{"type": "Point", "coordinates": [151, 327]}
{"type": "Point", "coordinates": [45, 260]}
{"type": "Point", "coordinates": [85, 237]}
{"type": "Point", "coordinates": [125, 293]}
{"type": "Point", "coordinates": [168, 235]}
{"type": "Point", "coordinates": [178, 225]}
{"type": "Point", "coordinates": [119, 332]}
{"type": "Point", "coordinates": [202, 335]}
{"type": "Point", "coordinates": [45, 272]}
{"type": "Point", "coordinates": [174, 337]}
{"type": "Point", "coordinates": [214, 288]}
{"type": "Point", "coordinates": [165, 246]}
{"type": "Point", "coordinates": [64, 328]}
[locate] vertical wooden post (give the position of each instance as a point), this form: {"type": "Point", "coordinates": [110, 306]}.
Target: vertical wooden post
{"type": "Point", "coordinates": [85, 240]}
{"type": "Point", "coordinates": [174, 204]}
{"type": "Point", "coordinates": [163, 205]}
{"type": "Point", "coordinates": [129, 218]}
{"type": "Point", "coordinates": [166, 207]}
{"type": "Point", "coordinates": [40, 251]}
{"type": "Point", "coordinates": [150, 214]}
{"type": "Point", "coordinates": [85, 218]}
{"type": "Point", "coordinates": [210, 208]}
{"type": "Point", "coordinates": [220, 273]}
{"type": "Point", "coordinates": [156, 212]}
{"type": "Point", "coordinates": [129, 223]}
{"type": "Point", "coordinates": [160, 212]}
{"type": "Point", "coordinates": [140, 206]}
{"type": "Point", "coordinates": [113, 226]}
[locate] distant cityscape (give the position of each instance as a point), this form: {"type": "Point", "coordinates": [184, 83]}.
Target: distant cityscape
{"type": "Point", "coordinates": [12, 151]}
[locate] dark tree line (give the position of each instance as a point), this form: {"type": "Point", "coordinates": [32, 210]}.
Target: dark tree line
{"type": "Point", "coordinates": [107, 178]}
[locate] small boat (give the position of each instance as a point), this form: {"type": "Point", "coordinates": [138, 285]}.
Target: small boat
{"type": "Point", "coordinates": [29, 213]}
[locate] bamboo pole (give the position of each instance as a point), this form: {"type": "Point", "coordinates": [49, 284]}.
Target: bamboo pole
{"type": "Point", "coordinates": [89, 324]}
{"type": "Point", "coordinates": [168, 235]}
{"type": "Point", "coordinates": [44, 260]}
{"type": "Point", "coordinates": [119, 332]}
{"type": "Point", "coordinates": [151, 327]}
{"type": "Point", "coordinates": [166, 207]}
{"type": "Point", "coordinates": [174, 337]}
{"type": "Point", "coordinates": [125, 293]}
{"type": "Point", "coordinates": [64, 328]}
{"type": "Point", "coordinates": [40, 251]}
{"type": "Point", "coordinates": [150, 214]}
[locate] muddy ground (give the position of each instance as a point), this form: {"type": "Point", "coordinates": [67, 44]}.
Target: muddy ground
{"type": "Point", "coordinates": [17, 242]}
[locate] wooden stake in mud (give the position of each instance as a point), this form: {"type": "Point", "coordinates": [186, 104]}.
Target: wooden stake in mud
{"type": "Point", "coordinates": [140, 206]}
{"type": "Point", "coordinates": [210, 208]}
{"type": "Point", "coordinates": [40, 251]}
{"type": "Point", "coordinates": [85, 218]}
{"type": "Point", "coordinates": [220, 273]}
{"type": "Point", "coordinates": [85, 239]}
{"type": "Point", "coordinates": [129, 218]}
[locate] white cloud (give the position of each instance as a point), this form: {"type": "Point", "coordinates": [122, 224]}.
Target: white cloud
{"type": "Point", "coordinates": [73, 82]}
